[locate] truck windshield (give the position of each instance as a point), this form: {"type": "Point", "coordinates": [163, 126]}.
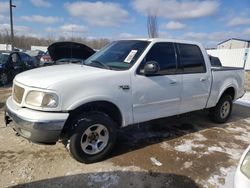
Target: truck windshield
{"type": "Point", "coordinates": [118, 55]}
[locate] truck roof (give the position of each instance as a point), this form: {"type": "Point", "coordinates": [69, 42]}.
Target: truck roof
{"type": "Point", "coordinates": [165, 40]}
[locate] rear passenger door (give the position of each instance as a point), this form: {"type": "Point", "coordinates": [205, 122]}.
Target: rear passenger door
{"type": "Point", "coordinates": [195, 77]}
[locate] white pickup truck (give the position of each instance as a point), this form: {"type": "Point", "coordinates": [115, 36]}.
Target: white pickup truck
{"type": "Point", "coordinates": [126, 82]}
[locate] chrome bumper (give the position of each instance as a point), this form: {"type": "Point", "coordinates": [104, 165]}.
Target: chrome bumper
{"type": "Point", "coordinates": [36, 126]}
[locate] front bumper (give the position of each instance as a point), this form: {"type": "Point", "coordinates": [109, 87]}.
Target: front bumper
{"type": "Point", "coordinates": [36, 126]}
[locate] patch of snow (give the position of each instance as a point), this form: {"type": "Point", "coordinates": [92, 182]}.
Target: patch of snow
{"type": "Point", "coordinates": [199, 137]}
{"type": "Point", "coordinates": [230, 150]}
{"type": "Point", "coordinates": [245, 100]}
{"type": "Point", "coordinates": [236, 129]}
{"type": "Point", "coordinates": [214, 148]}
{"type": "Point", "coordinates": [155, 161]}
{"type": "Point", "coordinates": [188, 146]}
{"type": "Point", "coordinates": [222, 179]}
{"type": "Point", "coordinates": [188, 164]}
{"type": "Point", "coordinates": [243, 137]}
{"type": "Point", "coordinates": [165, 145]}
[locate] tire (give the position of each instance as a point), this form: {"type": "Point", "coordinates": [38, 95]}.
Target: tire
{"type": "Point", "coordinates": [222, 111]}
{"type": "Point", "coordinates": [4, 78]}
{"type": "Point", "coordinates": [93, 129]}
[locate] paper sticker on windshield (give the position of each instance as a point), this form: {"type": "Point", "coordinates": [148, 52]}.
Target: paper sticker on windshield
{"type": "Point", "coordinates": [130, 56]}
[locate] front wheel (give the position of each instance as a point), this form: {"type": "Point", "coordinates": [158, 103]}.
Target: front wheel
{"type": "Point", "coordinates": [93, 137]}
{"type": "Point", "coordinates": [222, 111]}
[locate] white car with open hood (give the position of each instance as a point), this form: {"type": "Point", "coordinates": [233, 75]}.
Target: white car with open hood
{"type": "Point", "coordinates": [126, 82]}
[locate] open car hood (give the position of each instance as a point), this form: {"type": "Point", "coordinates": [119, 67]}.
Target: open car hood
{"type": "Point", "coordinates": [60, 50]}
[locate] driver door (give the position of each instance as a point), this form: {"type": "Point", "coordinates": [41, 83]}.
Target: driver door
{"type": "Point", "coordinates": [157, 95]}
{"type": "Point", "coordinates": [16, 64]}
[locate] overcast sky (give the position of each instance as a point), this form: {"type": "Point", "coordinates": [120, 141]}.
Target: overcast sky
{"type": "Point", "coordinates": [206, 21]}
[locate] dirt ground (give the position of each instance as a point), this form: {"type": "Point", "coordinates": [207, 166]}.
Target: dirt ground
{"type": "Point", "coordinates": [184, 151]}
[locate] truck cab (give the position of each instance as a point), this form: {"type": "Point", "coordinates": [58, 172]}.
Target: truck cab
{"type": "Point", "coordinates": [126, 82]}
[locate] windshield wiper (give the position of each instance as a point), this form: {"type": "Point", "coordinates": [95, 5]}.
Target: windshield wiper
{"type": "Point", "coordinates": [100, 63]}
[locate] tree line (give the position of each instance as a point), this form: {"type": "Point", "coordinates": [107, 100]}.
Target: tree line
{"type": "Point", "coordinates": [25, 42]}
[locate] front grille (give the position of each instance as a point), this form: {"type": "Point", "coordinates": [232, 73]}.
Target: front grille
{"type": "Point", "coordinates": [18, 93]}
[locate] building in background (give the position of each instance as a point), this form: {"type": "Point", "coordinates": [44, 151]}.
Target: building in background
{"type": "Point", "coordinates": [42, 48]}
{"type": "Point", "coordinates": [234, 44]}
{"type": "Point", "coordinates": [5, 47]}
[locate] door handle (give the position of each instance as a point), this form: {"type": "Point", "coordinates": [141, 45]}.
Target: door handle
{"type": "Point", "coordinates": [203, 79]}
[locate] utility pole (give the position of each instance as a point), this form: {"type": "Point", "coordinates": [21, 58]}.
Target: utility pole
{"type": "Point", "coordinates": [11, 25]}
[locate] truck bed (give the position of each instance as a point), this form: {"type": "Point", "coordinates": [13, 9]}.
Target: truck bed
{"type": "Point", "coordinates": [223, 78]}
{"type": "Point", "coordinates": [226, 68]}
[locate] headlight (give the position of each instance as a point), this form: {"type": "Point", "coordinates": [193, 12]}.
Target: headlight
{"type": "Point", "coordinates": [41, 99]}
{"type": "Point", "coordinates": [245, 166]}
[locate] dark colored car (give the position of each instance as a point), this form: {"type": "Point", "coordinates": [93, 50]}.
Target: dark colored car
{"type": "Point", "coordinates": [13, 63]}
{"type": "Point", "coordinates": [69, 52]}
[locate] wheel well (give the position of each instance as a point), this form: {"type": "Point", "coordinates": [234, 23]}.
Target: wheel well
{"type": "Point", "coordinates": [229, 91]}
{"type": "Point", "coordinates": [101, 106]}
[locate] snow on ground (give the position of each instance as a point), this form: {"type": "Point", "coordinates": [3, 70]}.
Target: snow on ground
{"type": "Point", "coordinates": [245, 100]}
{"type": "Point", "coordinates": [218, 181]}
{"type": "Point", "coordinates": [187, 146]}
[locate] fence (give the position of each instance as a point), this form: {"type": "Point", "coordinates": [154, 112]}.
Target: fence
{"type": "Point", "coordinates": [232, 57]}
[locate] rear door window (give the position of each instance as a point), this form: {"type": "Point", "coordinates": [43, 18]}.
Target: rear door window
{"type": "Point", "coordinates": [191, 59]}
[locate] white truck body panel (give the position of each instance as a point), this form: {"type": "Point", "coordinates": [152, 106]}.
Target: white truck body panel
{"type": "Point", "coordinates": [147, 97]}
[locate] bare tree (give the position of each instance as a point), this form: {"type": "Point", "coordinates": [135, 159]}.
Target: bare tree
{"type": "Point", "coordinates": [152, 26]}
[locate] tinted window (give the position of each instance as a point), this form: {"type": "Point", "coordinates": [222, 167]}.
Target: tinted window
{"type": "Point", "coordinates": [215, 61]}
{"type": "Point", "coordinates": [164, 55]}
{"type": "Point", "coordinates": [24, 57]}
{"type": "Point", "coordinates": [191, 58]}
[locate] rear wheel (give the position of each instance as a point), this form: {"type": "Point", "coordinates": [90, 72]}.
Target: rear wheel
{"type": "Point", "coordinates": [4, 78]}
{"type": "Point", "coordinates": [222, 111]}
{"type": "Point", "coordinates": [93, 137]}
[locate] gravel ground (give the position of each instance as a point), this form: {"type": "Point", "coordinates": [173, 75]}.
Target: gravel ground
{"type": "Point", "coordinates": [182, 151]}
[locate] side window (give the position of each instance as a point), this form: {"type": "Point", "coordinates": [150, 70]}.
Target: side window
{"type": "Point", "coordinates": [215, 61]}
{"type": "Point", "coordinates": [191, 59]}
{"type": "Point", "coordinates": [164, 54]}
{"type": "Point", "coordinates": [25, 57]}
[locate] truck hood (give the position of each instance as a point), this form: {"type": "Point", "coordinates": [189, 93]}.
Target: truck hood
{"type": "Point", "coordinates": [61, 50]}
{"type": "Point", "coordinates": [48, 76]}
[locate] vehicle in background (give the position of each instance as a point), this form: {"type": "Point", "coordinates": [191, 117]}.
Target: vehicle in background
{"type": "Point", "coordinates": [46, 59]}
{"type": "Point", "coordinates": [215, 61]}
{"type": "Point", "coordinates": [125, 83]}
{"type": "Point", "coordinates": [69, 52]}
{"type": "Point", "coordinates": [36, 56]}
{"type": "Point", "coordinates": [27, 60]}
{"type": "Point", "coordinates": [12, 63]}
{"type": "Point", "coordinates": [242, 174]}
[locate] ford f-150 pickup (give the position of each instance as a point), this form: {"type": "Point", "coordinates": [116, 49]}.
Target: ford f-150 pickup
{"type": "Point", "coordinates": [126, 82]}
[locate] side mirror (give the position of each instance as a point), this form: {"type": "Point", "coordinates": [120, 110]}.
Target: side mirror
{"type": "Point", "coordinates": [151, 68]}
